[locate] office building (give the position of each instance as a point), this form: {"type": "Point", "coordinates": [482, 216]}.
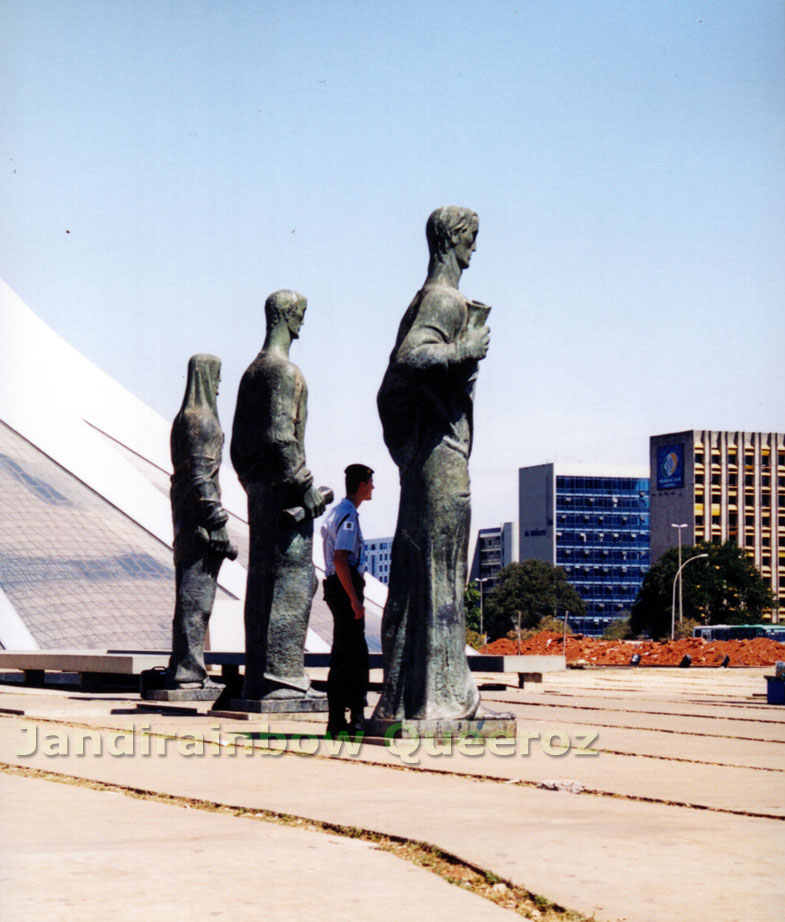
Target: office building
{"type": "Point", "coordinates": [378, 554]}
{"type": "Point", "coordinates": [723, 486]}
{"type": "Point", "coordinates": [593, 521]}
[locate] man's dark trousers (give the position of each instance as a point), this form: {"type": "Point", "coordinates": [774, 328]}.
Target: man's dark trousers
{"type": "Point", "coordinates": [347, 682]}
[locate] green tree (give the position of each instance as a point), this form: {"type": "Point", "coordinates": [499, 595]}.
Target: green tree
{"type": "Point", "coordinates": [723, 588]}
{"type": "Point", "coordinates": [471, 601]}
{"type": "Point", "coordinates": [534, 588]}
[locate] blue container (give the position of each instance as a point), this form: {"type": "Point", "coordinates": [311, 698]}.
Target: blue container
{"type": "Point", "coordinates": [775, 690]}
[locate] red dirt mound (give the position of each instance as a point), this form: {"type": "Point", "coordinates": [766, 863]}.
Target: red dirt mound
{"type": "Point", "coordinates": [590, 650]}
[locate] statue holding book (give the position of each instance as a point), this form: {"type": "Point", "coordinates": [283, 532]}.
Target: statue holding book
{"type": "Point", "coordinates": [425, 404]}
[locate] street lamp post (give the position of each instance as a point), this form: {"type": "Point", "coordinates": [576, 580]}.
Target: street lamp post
{"type": "Point", "coordinates": [681, 594]}
{"type": "Point", "coordinates": [481, 583]}
{"type": "Point", "coordinates": [673, 594]}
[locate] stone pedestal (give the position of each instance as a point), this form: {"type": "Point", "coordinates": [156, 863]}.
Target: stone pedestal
{"type": "Point", "coordinates": [182, 694]}
{"type": "Point", "coordinates": [440, 730]}
{"type": "Point", "coordinates": [306, 704]}
{"type": "Point", "coordinates": [153, 687]}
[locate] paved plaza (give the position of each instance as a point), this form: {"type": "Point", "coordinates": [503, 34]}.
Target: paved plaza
{"type": "Point", "coordinates": [635, 795]}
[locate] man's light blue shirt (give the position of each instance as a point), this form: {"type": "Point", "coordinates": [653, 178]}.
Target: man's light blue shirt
{"type": "Point", "coordinates": [341, 532]}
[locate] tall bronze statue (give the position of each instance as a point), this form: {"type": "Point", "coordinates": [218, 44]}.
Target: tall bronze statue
{"type": "Point", "coordinates": [200, 538]}
{"type": "Point", "coordinates": [268, 453]}
{"type": "Point", "coordinates": [425, 404]}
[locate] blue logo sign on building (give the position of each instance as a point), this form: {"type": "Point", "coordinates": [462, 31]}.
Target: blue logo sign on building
{"type": "Point", "coordinates": [670, 467]}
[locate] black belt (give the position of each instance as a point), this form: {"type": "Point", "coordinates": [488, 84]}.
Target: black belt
{"type": "Point", "coordinates": [355, 574]}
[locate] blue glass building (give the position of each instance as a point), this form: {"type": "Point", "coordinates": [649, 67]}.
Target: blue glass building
{"type": "Point", "coordinates": [593, 521]}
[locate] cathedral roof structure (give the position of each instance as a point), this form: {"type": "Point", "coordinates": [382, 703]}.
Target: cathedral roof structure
{"type": "Point", "coordinates": [85, 551]}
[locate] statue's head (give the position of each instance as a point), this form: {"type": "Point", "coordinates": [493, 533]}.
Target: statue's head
{"type": "Point", "coordinates": [452, 228]}
{"type": "Point", "coordinates": [204, 377]}
{"type": "Point", "coordinates": [285, 307]}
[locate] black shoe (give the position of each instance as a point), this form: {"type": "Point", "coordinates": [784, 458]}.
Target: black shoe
{"type": "Point", "coordinates": [356, 726]}
{"type": "Point", "coordinates": [334, 729]}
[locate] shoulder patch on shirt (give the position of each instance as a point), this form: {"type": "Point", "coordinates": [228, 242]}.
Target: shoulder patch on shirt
{"type": "Point", "coordinates": [348, 525]}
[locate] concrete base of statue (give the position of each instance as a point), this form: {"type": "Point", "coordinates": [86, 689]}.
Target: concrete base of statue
{"type": "Point", "coordinates": [182, 694]}
{"type": "Point", "coordinates": [155, 685]}
{"type": "Point", "coordinates": [441, 730]}
{"type": "Point", "coordinates": [302, 704]}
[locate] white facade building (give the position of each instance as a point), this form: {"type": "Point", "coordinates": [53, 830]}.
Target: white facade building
{"type": "Point", "coordinates": [378, 553]}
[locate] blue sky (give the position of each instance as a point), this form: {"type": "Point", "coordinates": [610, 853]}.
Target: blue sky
{"type": "Point", "coordinates": [165, 165]}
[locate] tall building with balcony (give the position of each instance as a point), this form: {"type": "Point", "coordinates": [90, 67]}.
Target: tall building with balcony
{"type": "Point", "coordinates": [593, 521]}
{"type": "Point", "coordinates": [494, 548]}
{"type": "Point", "coordinates": [724, 486]}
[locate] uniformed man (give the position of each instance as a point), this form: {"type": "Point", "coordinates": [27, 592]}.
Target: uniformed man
{"type": "Point", "coordinates": [344, 558]}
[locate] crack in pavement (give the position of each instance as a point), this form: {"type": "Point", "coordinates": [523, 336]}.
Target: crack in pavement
{"type": "Point", "coordinates": [452, 868]}
{"type": "Point", "coordinates": [471, 776]}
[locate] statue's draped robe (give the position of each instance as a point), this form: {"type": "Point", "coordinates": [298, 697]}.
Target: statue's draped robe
{"type": "Point", "coordinates": [268, 453]}
{"type": "Point", "coordinates": [196, 445]}
{"type": "Point", "coordinates": [425, 405]}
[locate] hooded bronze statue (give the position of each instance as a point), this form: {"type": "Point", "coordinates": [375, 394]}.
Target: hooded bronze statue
{"type": "Point", "coordinates": [201, 541]}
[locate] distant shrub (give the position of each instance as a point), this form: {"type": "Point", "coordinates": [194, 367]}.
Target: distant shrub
{"type": "Point", "coordinates": [684, 628]}
{"type": "Point", "coordinates": [474, 639]}
{"type": "Point", "coordinates": [618, 629]}
{"type": "Point", "coordinates": [547, 623]}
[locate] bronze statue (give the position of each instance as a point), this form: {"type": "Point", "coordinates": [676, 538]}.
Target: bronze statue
{"type": "Point", "coordinates": [425, 404]}
{"type": "Point", "coordinates": [268, 453]}
{"type": "Point", "coordinates": [200, 538]}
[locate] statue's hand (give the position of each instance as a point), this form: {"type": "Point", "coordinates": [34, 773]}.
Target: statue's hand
{"type": "Point", "coordinates": [474, 344]}
{"type": "Point", "coordinates": [220, 544]}
{"type": "Point", "coordinates": [219, 540]}
{"type": "Point", "coordinates": [313, 501]}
